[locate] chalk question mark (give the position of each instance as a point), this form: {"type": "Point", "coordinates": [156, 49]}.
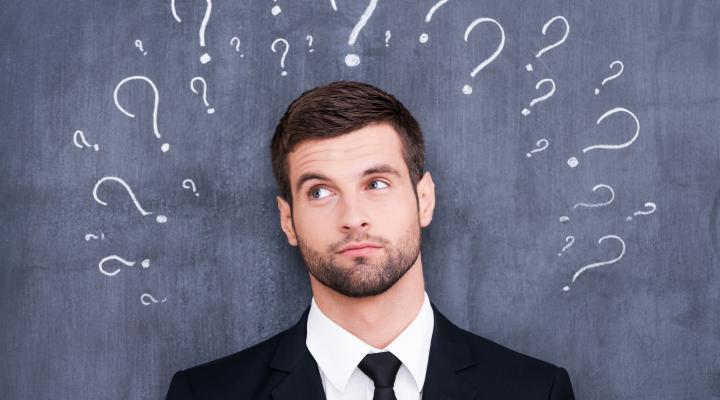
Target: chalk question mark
{"type": "Point", "coordinates": [282, 59]}
{"type": "Point", "coordinates": [147, 299]}
{"type": "Point", "coordinates": [91, 236]}
{"type": "Point", "coordinates": [649, 205]}
{"type": "Point", "coordinates": [599, 264]}
{"type": "Point", "coordinates": [235, 41]}
{"type": "Point", "coordinates": [81, 136]}
{"type": "Point", "coordinates": [309, 38]}
{"type": "Point", "coordinates": [145, 264]}
{"type": "Point", "coordinates": [205, 58]}
{"type": "Point", "coordinates": [601, 204]}
{"type": "Point", "coordinates": [165, 146]}
{"type": "Point", "coordinates": [565, 219]}
{"type": "Point", "coordinates": [276, 9]}
{"type": "Point", "coordinates": [542, 51]}
{"type": "Point", "coordinates": [567, 246]}
{"type": "Point", "coordinates": [540, 148]}
{"type": "Point", "coordinates": [611, 77]}
{"type": "Point", "coordinates": [138, 44]}
{"type": "Point", "coordinates": [526, 111]}
{"type": "Point", "coordinates": [353, 60]}
{"type": "Point", "coordinates": [161, 219]}
{"type": "Point", "coordinates": [210, 110]}
{"type": "Point", "coordinates": [388, 35]}
{"type": "Point", "coordinates": [189, 184]}
{"type": "Point", "coordinates": [424, 37]}
{"type": "Point", "coordinates": [573, 161]}
{"type": "Point", "coordinates": [467, 89]}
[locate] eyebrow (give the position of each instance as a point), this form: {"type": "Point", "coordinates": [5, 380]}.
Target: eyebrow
{"type": "Point", "coordinates": [375, 169]}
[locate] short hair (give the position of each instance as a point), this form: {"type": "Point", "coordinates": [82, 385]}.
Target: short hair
{"type": "Point", "coordinates": [337, 109]}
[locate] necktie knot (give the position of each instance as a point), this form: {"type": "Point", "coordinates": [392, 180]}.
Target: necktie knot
{"type": "Point", "coordinates": [382, 369]}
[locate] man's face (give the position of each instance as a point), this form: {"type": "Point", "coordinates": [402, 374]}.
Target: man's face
{"type": "Point", "coordinates": [350, 189]}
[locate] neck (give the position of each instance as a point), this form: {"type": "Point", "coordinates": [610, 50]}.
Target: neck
{"type": "Point", "coordinates": [376, 320]}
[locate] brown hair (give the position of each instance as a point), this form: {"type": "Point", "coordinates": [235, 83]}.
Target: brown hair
{"type": "Point", "coordinates": [340, 108]}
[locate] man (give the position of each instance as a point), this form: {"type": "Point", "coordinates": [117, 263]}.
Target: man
{"type": "Point", "coordinates": [349, 161]}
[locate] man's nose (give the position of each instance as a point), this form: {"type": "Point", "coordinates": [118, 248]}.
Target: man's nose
{"type": "Point", "coordinates": [354, 215]}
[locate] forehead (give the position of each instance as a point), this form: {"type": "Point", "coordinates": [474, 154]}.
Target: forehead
{"type": "Point", "coordinates": [349, 154]}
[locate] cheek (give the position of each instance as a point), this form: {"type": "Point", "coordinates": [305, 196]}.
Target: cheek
{"type": "Point", "coordinates": [395, 216]}
{"type": "Point", "coordinates": [314, 226]}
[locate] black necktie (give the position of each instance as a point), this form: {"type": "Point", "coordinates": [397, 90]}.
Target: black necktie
{"type": "Point", "coordinates": [381, 368]}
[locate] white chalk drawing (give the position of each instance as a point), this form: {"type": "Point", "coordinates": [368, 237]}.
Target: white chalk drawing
{"type": "Point", "coordinates": [542, 51]}
{"type": "Point", "coordinates": [276, 9]}
{"type": "Point", "coordinates": [205, 58]}
{"type": "Point", "coordinates": [282, 59]}
{"type": "Point", "coordinates": [652, 207]}
{"type": "Point", "coordinates": [235, 42]}
{"type": "Point", "coordinates": [174, 12]}
{"type": "Point", "coordinates": [571, 239]}
{"type": "Point", "coordinates": [565, 219]}
{"type": "Point", "coordinates": [388, 35]}
{"type": "Point", "coordinates": [611, 77]}
{"type": "Point", "coordinates": [79, 135]}
{"type": "Point", "coordinates": [333, 5]}
{"type": "Point", "coordinates": [526, 111]}
{"type": "Point", "coordinates": [189, 184]}
{"type": "Point", "coordinates": [147, 299]}
{"type": "Point", "coordinates": [601, 204]}
{"type": "Point", "coordinates": [467, 89]}
{"type": "Point", "coordinates": [353, 60]}
{"type": "Point", "coordinates": [424, 37]}
{"type": "Point", "coordinates": [309, 38]}
{"type": "Point", "coordinates": [541, 144]}
{"type": "Point", "coordinates": [139, 45]}
{"type": "Point", "coordinates": [210, 110]}
{"type": "Point", "coordinates": [599, 264]}
{"type": "Point", "coordinates": [91, 236]}
{"type": "Point", "coordinates": [161, 219]}
{"type": "Point", "coordinates": [145, 264]}
{"type": "Point", "coordinates": [165, 146]}
{"type": "Point", "coordinates": [573, 161]}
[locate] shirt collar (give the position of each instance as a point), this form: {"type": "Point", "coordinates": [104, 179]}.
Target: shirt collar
{"type": "Point", "coordinates": [338, 352]}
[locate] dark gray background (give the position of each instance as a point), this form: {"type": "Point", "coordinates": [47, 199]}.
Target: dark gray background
{"type": "Point", "coordinates": [646, 327]}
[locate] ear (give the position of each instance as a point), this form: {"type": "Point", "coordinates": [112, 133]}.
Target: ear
{"type": "Point", "coordinates": [426, 199]}
{"type": "Point", "coordinates": [286, 222]}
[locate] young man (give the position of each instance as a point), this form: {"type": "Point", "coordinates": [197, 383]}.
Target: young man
{"type": "Point", "coordinates": [349, 160]}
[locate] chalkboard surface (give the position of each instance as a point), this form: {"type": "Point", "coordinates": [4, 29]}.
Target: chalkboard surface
{"type": "Point", "coordinates": [574, 145]}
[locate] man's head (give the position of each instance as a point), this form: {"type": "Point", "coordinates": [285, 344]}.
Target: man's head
{"type": "Point", "coordinates": [349, 160]}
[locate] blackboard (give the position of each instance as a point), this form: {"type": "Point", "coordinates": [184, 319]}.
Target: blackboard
{"type": "Point", "coordinates": [192, 271]}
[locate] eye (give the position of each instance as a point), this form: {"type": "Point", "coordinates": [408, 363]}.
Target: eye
{"type": "Point", "coordinates": [314, 190]}
{"type": "Point", "coordinates": [378, 180]}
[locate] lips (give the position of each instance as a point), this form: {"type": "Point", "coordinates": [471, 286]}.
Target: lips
{"type": "Point", "coordinates": [359, 247]}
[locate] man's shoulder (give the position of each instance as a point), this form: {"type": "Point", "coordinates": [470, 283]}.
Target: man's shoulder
{"type": "Point", "coordinates": [238, 375]}
{"type": "Point", "coordinates": [253, 358]}
{"type": "Point", "coordinates": [503, 355]}
{"type": "Point", "coordinates": [510, 369]}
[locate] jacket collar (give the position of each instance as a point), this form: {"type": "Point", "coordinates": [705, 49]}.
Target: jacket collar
{"type": "Point", "coordinates": [450, 355]}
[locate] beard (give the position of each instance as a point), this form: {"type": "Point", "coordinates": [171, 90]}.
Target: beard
{"type": "Point", "coordinates": [367, 275]}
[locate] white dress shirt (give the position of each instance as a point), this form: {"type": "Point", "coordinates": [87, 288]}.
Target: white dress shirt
{"type": "Point", "coordinates": [338, 353]}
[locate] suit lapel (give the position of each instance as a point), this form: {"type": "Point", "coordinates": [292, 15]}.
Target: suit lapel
{"type": "Point", "coordinates": [449, 356]}
{"type": "Point", "coordinates": [298, 369]}
{"type": "Point", "coordinates": [449, 359]}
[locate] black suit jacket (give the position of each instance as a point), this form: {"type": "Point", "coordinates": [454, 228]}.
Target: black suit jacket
{"type": "Point", "coordinates": [461, 366]}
